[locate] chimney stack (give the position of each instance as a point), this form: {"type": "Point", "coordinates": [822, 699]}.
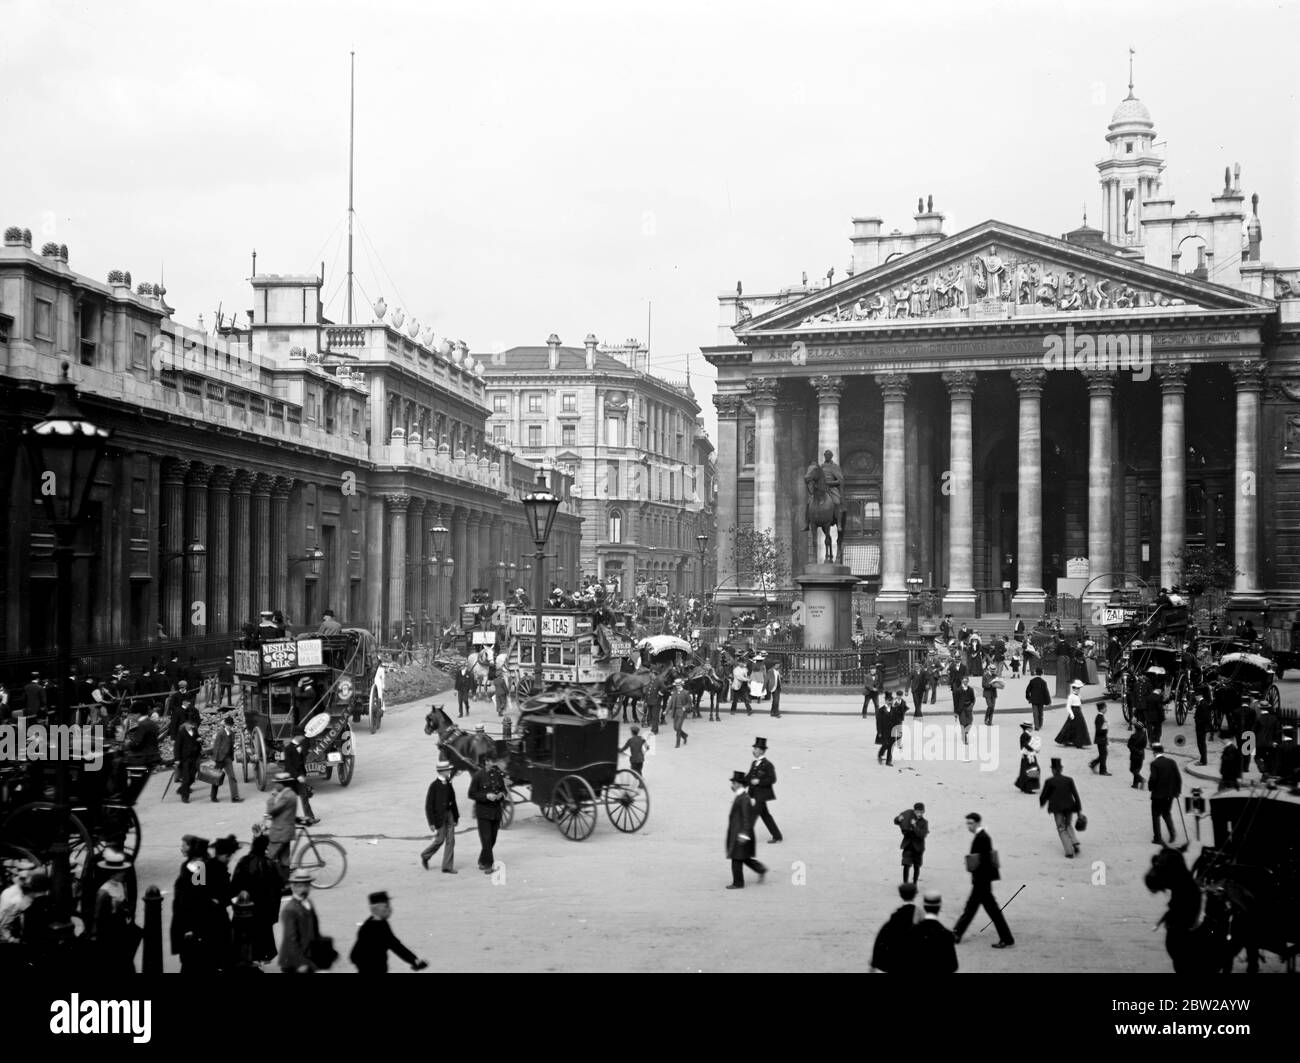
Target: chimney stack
{"type": "Point", "coordinates": [591, 343]}
{"type": "Point", "coordinates": [553, 357]}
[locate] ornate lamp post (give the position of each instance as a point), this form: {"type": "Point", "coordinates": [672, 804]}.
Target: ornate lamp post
{"type": "Point", "coordinates": [64, 451]}
{"type": "Point", "coordinates": [702, 544]}
{"type": "Point", "coordinates": [313, 558]}
{"type": "Point", "coordinates": [193, 549]}
{"type": "Point", "coordinates": [914, 582]}
{"type": "Point", "coordinates": [540, 506]}
{"type": "Point", "coordinates": [438, 545]}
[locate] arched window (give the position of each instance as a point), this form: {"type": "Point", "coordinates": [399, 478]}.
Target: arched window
{"type": "Point", "coordinates": [615, 525]}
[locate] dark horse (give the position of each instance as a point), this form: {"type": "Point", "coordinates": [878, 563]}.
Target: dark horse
{"type": "Point", "coordinates": [823, 515]}
{"type": "Point", "coordinates": [464, 751]}
{"type": "Point", "coordinates": [1195, 945]}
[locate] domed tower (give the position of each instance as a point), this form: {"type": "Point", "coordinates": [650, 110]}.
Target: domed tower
{"type": "Point", "coordinates": [1130, 173]}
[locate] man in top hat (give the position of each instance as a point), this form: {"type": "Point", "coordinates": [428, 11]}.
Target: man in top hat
{"type": "Point", "coordinates": [295, 763]}
{"type": "Point", "coordinates": [375, 940]}
{"type": "Point", "coordinates": [741, 845]}
{"type": "Point", "coordinates": [1165, 783]}
{"type": "Point", "coordinates": [299, 926]}
{"type": "Point", "coordinates": [188, 750]}
{"type": "Point", "coordinates": [1061, 798]}
{"type": "Point", "coordinates": [225, 683]}
{"type": "Point", "coordinates": [328, 624]}
{"type": "Point", "coordinates": [282, 807]}
{"type": "Point", "coordinates": [223, 755]}
{"type": "Point", "coordinates": [762, 777]}
{"type": "Point", "coordinates": [932, 948]}
{"type": "Point", "coordinates": [442, 815]}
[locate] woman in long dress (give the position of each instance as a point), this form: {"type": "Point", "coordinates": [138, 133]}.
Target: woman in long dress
{"type": "Point", "coordinates": [1075, 730]}
{"type": "Point", "coordinates": [1026, 783]}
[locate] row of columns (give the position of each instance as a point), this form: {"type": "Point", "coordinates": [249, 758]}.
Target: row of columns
{"type": "Point", "coordinates": [959, 481]}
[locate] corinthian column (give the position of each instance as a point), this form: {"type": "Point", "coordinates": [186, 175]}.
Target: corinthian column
{"type": "Point", "coordinates": [241, 609]}
{"type": "Point", "coordinates": [219, 550]}
{"type": "Point", "coordinates": [829, 389]}
{"type": "Point", "coordinates": [397, 504]}
{"type": "Point", "coordinates": [960, 597]}
{"type": "Point", "coordinates": [1030, 595]}
{"type": "Point", "coordinates": [1173, 472]}
{"type": "Point", "coordinates": [1101, 386]}
{"type": "Point", "coordinates": [1250, 385]}
{"type": "Point", "coordinates": [173, 560]}
{"type": "Point", "coordinates": [280, 543]}
{"type": "Point", "coordinates": [196, 603]}
{"type": "Point", "coordinates": [893, 491]}
{"type": "Point", "coordinates": [260, 580]}
{"type": "Point", "coordinates": [474, 549]}
{"type": "Point", "coordinates": [415, 562]}
{"type": "Point", "coordinates": [728, 407]}
{"type": "Point", "coordinates": [460, 559]}
{"type": "Point", "coordinates": [763, 393]}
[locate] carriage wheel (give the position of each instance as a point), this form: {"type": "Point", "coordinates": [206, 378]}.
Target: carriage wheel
{"type": "Point", "coordinates": [347, 767]}
{"type": "Point", "coordinates": [1273, 698]}
{"type": "Point", "coordinates": [244, 755]}
{"type": "Point", "coordinates": [120, 825]}
{"type": "Point", "coordinates": [548, 812]}
{"type": "Point", "coordinates": [507, 811]}
{"type": "Point", "coordinates": [627, 801]}
{"type": "Point", "coordinates": [524, 688]}
{"type": "Point", "coordinates": [575, 808]}
{"type": "Point", "coordinates": [1182, 696]}
{"type": "Point", "coordinates": [32, 827]}
{"type": "Point", "coordinates": [376, 713]}
{"type": "Point", "coordinates": [260, 759]}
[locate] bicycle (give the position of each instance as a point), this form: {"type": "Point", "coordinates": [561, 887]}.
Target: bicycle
{"type": "Point", "coordinates": [326, 859]}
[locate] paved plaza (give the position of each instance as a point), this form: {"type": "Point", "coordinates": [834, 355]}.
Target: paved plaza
{"type": "Point", "coordinates": [654, 901]}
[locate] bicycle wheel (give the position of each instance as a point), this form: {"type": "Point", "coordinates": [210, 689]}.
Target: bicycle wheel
{"type": "Point", "coordinates": [326, 859]}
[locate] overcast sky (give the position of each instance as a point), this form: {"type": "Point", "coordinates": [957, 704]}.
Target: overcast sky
{"type": "Point", "coordinates": [526, 168]}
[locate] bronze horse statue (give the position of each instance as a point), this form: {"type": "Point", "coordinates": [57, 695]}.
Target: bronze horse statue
{"type": "Point", "coordinates": [823, 514]}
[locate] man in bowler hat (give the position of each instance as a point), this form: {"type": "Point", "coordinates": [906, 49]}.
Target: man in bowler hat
{"type": "Point", "coordinates": [932, 946]}
{"type": "Point", "coordinates": [741, 846]}
{"type": "Point", "coordinates": [762, 777]}
{"type": "Point", "coordinates": [375, 940]}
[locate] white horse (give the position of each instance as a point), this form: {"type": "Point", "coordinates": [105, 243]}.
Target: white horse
{"type": "Point", "coordinates": [479, 665]}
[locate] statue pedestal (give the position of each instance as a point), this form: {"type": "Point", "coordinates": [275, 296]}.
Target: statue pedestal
{"type": "Point", "coordinates": [827, 606]}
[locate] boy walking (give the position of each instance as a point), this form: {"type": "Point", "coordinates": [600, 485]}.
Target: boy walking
{"type": "Point", "coordinates": [1101, 730]}
{"type": "Point", "coordinates": [634, 747]}
{"type": "Point", "coordinates": [915, 827]}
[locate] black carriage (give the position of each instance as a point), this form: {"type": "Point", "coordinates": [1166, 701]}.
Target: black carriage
{"type": "Point", "coordinates": [1252, 675]}
{"type": "Point", "coordinates": [307, 682]}
{"type": "Point", "coordinates": [1170, 670]}
{"type": "Point", "coordinates": [566, 756]}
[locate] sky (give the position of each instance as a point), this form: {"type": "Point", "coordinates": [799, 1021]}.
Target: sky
{"type": "Point", "coordinates": [573, 167]}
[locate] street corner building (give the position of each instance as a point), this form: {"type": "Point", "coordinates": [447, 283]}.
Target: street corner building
{"type": "Point", "coordinates": [274, 460]}
{"type": "Point", "coordinates": [1017, 415]}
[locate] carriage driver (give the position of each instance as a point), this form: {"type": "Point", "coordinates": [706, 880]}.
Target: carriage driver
{"type": "Point", "coordinates": [833, 481]}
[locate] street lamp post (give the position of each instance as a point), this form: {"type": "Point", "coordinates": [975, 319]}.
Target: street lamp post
{"type": "Point", "coordinates": [914, 582]}
{"type": "Point", "coordinates": [438, 544]}
{"type": "Point", "coordinates": [313, 558]}
{"type": "Point", "coordinates": [539, 508]}
{"type": "Point", "coordinates": [702, 542]}
{"type": "Point", "coordinates": [64, 451]}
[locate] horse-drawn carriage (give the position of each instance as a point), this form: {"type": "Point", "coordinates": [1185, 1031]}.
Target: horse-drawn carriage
{"type": "Point", "coordinates": [574, 652]}
{"type": "Point", "coordinates": [1143, 666]}
{"type": "Point", "coordinates": [1252, 675]}
{"type": "Point", "coordinates": [564, 759]}
{"type": "Point", "coordinates": [316, 683]}
{"type": "Point", "coordinates": [478, 627]}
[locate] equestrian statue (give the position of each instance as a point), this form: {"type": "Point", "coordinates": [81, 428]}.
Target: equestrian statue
{"type": "Point", "coordinates": [825, 506]}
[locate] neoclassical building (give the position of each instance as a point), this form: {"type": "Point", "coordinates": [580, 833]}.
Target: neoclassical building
{"type": "Point", "coordinates": [309, 460]}
{"type": "Point", "coordinates": [1018, 414]}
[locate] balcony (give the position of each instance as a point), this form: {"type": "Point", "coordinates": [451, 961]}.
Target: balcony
{"type": "Point", "coordinates": [345, 339]}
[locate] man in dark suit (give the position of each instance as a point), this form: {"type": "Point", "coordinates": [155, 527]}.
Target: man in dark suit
{"type": "Point", "coordinates": [295, 763]}
{"type": "Point", "coordinates": [1166, 785]}
{"type": "Point", "coordinates": [741, 846]}
{"type": "Point", "coordinates": [871, 689]}
{"type": "Point", "coordinates": [375, 940]}
{"type": "Point", "coordinates": [223, 754]}
{"type": "Point", "coordinates": [442, 815]}
{"type": "Point", "coordinates": [762, 777]}
{"type": "Point", "coordinates": [932, 948]}
{"type": "Point", "coordinates": [1061, 798]}
{"type": "Point", "coordinates": [891, 951]}
{"type": "Point", "coordinates": [1153, 710]}
{"type": "Point", "coordinates": [464, 684]}
{"type": "Point", "coordinates": [897, 714]}
{"type": "Point", "coordinates": [920, 680]}
{"type": "Point", "coordinates": [1203, 719]}
{"type": "Point", "coordinates": [988, 683]}
{"type": "Point", "coordinates": [884, 716]}
{"type": "Point", "coordinates": [983, 873]}
{"type": "Point", "coordinates": [957, 671]}
{"type": "Point", "coordinates": [1038, 696]}
{"type": "Point", "coordinates": [487, 790]}
{"type": "Point", "coordinates": [299, 927]}
{"type": "Point", "coordinates": [225, 683]}
{"type": "Point", "coordinates": [188, 751]}
{"type": "Point", "coordinates": [1101, 735]}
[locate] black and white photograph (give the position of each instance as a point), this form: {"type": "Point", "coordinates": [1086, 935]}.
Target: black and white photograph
{"type": "Point", "coordinates": [565, 465]}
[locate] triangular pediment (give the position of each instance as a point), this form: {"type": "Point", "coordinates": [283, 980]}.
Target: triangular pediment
{"type": "Point", "coordinates": [994, 272]}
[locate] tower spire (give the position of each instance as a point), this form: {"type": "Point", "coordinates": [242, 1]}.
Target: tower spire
{"type": "Point", "coordinates": [352, 122]}
{"type": "Point", "coordinates": [1131, 53]}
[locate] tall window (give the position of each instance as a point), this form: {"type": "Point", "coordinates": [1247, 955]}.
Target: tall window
{"type": "Point", "coordinates": [569, 435]}
{"type": "Point", "coordinates": [498, 433]}
{"type": "Point", "coordinates": [500, 403]}
{"type": "Point", "coordinates": [615, 526]}
{"type": "Point", "coordinates": [611, 479]}
{"type": "Point", "coordinates": [139, 350]}
{"type": "Point", "coordinates": [43, 324]}
{"type": "Point", "coordinates": [534, 404]}
{"type": "Point", "coordinates": [614, 431]}
{"type": "Point", "coordinates": [569, 403]}
{"type": "Point", "coordinates": [534, 435]}
{"type": "Point", "coordinates": [1196, 512]}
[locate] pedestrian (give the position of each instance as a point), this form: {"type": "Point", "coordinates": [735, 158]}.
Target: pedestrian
{"type": "Point", "coordinates": [983, 865]}
{"type": "Point", "coordinates": [932, 670]}
{"type": "Point", "coordinates": [892, 951]}
{"type": "Point", "coordinates": [871, 689]}
{"type": "Point", "coordinates": [442, 815]}
{"type": "Point", "coordinates": [741, 845]}
{"type": "Point", "coordinates": [654, 700]}
{"type": "Point", "coordinates": [964, 701]}
{"type": "Point", "coordinates": [897, 714]}
{"type": "Point", "coordinates": [634, 747]}
{"type": "Point", "coordinates": [762, 779]}
{"type": "Point", "coordinates": [192, 904]}
{"type": "Point", "coordinates": [1230, 766]}
{"type": "Point", "coordinates": [1060, 797]}
{"type": "Point", "coordinates": [1153, 708]}
{"type": "Point", "coordinates": [773, 687]}
{"type": "Point", "coordinates": [989, 683]}
{"type": "Point", "coordinates": [188, 751]}
{"type": "Point", "coordinates": [678, 705]}
{"type": "Point", "coordinates": [1203, 720]}
{"type": "Point", "coordinates": [1038, 696]}
{"type": "Point", "coordinates": [329, 625]}
{"type": "Point", "coordinates": [915, 828]}
{"type": "Point", "coordinates": [1165, 784]}
{"type": "Point", "coordinates": [258, 879]}
{"type": "Point", "coordinates": [223, 754]}
{"type": "Point", "coordinates": [884, 717]}
{"type": "Point", "coordinates": [282, 808]}
{"type": "Point", "coordinates": [295, 763]}
{"type": "Point", "coordinates": [463, 683]}
{"type": "Point", "coordinates": [740, 687]}
{"type": "Point", "coordinates": [501, 691]}
{"type": "Point", "coordinates": [918, 684]}
{"type": "Point", "coordinates": [1027, 781]}
{"type": "Point", "coordinates": [225, 683]}
{"type": "Point", "coordinates": [300, 936]}
{"type": "Point", "coordinates": [375, 940]}
{"type": "Point", "coordinates": [487, 790]}
{"type": "Point", "coordinates": [932, 948]}
{"type": "Point", "coordinates": [1101, 735]}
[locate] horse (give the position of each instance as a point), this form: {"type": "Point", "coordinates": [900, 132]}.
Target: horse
{"type": "Point", "coordinates": [823, 514]}
{"type": "Point", "coordinates": [479, 664]}
{"type": "Point", "coordinates": [1196, 944]}
{"type": "Point", "coordinates": [629, 687]}
{"type": "Point", "coordinates": [464, 751]}
{"type": "Point", "coordinates": [704, 680]}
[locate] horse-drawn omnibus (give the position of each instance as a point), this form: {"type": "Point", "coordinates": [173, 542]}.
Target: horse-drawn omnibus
{"type": "Point", "coordinates": [574, 652]}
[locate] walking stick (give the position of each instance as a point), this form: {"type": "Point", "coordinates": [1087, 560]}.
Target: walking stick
{"type": "Point", "coordinates": [1003, 908]}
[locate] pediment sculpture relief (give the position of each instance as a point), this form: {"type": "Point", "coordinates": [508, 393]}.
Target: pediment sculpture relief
{"type": "Point", "coordinates": [991, 279]}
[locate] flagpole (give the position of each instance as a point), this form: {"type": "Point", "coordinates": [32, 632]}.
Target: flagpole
{"type": "Point", "coordinates": [352, 123]}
